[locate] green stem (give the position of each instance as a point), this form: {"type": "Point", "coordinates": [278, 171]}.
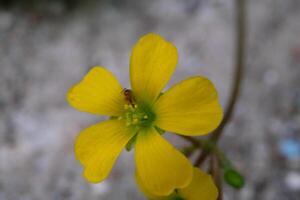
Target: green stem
{"type": "Point", "coordinates": [214, 169]}
{"type": "Point", "coordinates": [238, 75]}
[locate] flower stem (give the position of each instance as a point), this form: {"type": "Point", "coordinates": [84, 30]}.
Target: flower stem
{"type": "Point", "coordinates": [234, 94]}
{"type": "Point", "coordinates": [192, 140]}
{"type": "Point", "coordinates": [214, 169]}
{"type": "Point", "coordinates": [238, 75]}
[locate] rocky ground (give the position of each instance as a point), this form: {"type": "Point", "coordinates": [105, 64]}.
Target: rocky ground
{"type": "Point", "coordinates": [46, 49]}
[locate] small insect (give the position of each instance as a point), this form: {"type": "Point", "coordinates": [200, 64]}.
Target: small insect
{"type": "Point", "coordinates": [128, 96]}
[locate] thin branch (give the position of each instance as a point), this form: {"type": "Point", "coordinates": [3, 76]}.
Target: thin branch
{"type": "Point", "coordinates": [195, 143]}
{"type": "Point", "coordinates": [216, 174]}
{"type": "Point", "coordinates": [192, 140]}
{"type": "Point", "coordinates": [201, 158]}
{"type": "Point", "coordinates": [239, 67]}
{"type": "Point", "coordinates": [238, 75]}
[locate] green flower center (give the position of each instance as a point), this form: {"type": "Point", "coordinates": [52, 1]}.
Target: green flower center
{"type": "Point", "coordinates": [138, 115]}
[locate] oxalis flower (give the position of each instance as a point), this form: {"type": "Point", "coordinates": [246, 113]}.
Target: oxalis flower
{"type": "Point", "coordinates": [190, 107]}
{"type": "Point", "coordinates": [201, 187]}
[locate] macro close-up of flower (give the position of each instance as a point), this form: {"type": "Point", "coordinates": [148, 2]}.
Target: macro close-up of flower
{"type": "Point", "coordinates": [138, 117]}
{"type": "Point", "coordinates": [149, 100]}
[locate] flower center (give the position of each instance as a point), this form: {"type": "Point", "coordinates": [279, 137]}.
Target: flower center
{"type": "Point", "coordinates": [138, 115]}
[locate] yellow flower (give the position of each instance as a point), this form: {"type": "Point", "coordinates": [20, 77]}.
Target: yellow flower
{"type": "Point", "coordinates": [201, 187]}
{"type": "Point", "coordinates": [190, 107]}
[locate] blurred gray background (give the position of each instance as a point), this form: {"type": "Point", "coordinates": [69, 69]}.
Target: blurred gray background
{"type": "Point", "coordinates": [47, 46]}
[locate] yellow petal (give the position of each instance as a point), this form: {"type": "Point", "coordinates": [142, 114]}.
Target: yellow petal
{"type": "Point", "coordinates": [153, 61]}
{"type": "Point", "coordinates": [160, 166]}
{"type": "Point", "coordinates": [146, 192]}
{"type": "Point", "coordinates": [97, 148]}
{"type": "Point", "coordinates": [201, 187]}
{"type": "Point", "coordinates": [190, 107]}
{"type": "Point", "coordinates": [99, 92]}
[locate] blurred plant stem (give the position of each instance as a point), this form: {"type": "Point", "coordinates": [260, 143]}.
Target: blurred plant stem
{"type": "Point", "coordinates": [240, 24]}
{"type": "Point", "coordinates": [215, 171]}
{"type": "Point", "coordinates": [238, 74]}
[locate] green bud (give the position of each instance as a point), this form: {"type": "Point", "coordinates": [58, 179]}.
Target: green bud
{"type": "Point", "coordinates": [234, 178]}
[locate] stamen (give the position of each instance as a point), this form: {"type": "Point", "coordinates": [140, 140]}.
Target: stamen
{"type": "Point", "coordinates": [128, 123]}
{"type": "Point", "coordinates": [137, 115]}
{"type": "Point", "coordinates": [135, 121]}
{"type": "Point", "coordinates": [131, 107]}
